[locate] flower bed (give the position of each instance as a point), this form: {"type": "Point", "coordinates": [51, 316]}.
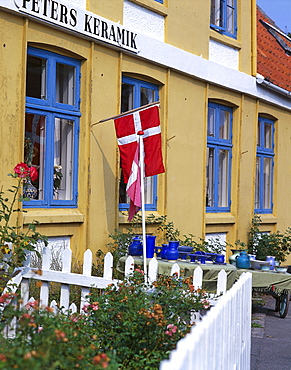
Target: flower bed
{"type": "Point", "coordinates": [132, 326]}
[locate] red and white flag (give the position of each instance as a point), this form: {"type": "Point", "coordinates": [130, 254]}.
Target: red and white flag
{"type": "Point", "coordinates": [133, 187]}
{"type": "Point", "coordinates": [127, 129]}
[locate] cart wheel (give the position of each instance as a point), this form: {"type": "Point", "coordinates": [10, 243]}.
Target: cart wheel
{"type": "Point", "coordinates": [277, 304]}
{"type": "Point", "coordinates": [284, 304]}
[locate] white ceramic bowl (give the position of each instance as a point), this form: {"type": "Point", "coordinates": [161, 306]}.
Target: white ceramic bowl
{"type": "Point", "coordinates": [256, 264]}
{"type": "Point", "coordinates": [281, 269]}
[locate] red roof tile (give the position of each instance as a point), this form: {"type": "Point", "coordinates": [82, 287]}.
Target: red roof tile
{"type": "Point", "coordinates": [273, 61]}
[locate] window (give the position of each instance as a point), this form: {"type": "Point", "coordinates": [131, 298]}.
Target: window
{"type": "Point", "coordinates": [219, 148]}
{"type": "Point", "coordinates": [52, 127]}
{"type": "Point", "coordinates": [136, 93]}
{"type": "Point", "coordinates": [160, 1]}
{"type": "Point", "coordinates": [223, 16]}
{"type": "Point", "coordinates": [264, 166]}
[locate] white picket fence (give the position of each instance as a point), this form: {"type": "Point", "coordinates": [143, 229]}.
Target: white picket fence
{"type": "Point", "coordinates": [65, 277]}
{"type": "Point", "coordinates": [222, 339]}
{"type": "Point", "coordinates": [85, 280]}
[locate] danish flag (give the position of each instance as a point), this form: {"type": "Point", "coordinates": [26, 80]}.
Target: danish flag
{"type": "Point", "coordinates": [128, 128]}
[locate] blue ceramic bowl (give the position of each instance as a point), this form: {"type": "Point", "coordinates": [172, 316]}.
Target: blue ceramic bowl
{"type": "Point", "coordinates": [183, 255]}
{"type": "Point", "coordinates": [185, 248]}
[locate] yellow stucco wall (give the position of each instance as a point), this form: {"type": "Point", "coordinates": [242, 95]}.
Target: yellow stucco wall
{"type": "Point", "coordinates": [183, 101]}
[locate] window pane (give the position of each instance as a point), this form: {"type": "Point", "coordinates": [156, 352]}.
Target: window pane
{"type": "Point", "coordinates": [259, 134]}
{"type": "Point", "coordinates": [210, 178]}
{"type": "Point", "coordinates": [257, 188]}
{"type": "Point", "coordinates": [126, 97]}
{"type": "Point", "coordinates": [223, 178]}
{"type": "Point", "coordinates": [267, 183]}
{"type": "Point", "coordinates": [63, 159]}
{"type": "Point", "coordinates": [146, 96]}
{"type": "Point", "coordinates": [148, 190]}
{"type": "Point", "coordinates": [34, 148]}
{"type": "Point", "coordinates": [211, 120]}
{"type": "Point", "coordinates": [230, 16]}
{"type": "Point", "coordinates": [36, 77]}
{"type": "Point", "coordinates": [224, 124]}
{"type": "Point", "coordinates": [215, 16]}
{"type": "Point", "coordinates": [268, 135]}
{"type": "Point", "coordinates": [65, 83]}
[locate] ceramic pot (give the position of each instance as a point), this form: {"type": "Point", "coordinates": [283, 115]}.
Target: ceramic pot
{"type": "Point", "coordinates": [164, 251]}
{"type": "Point", "coordinates": [219, 258]}
{"type": "Point", "coordinates": [232, 258]}
{"type": "Point", "coordinates": [243, 260]}
{"type": "Point", "coordinates": [172, 252]}
{"type": "Point", "coordinates": [271, 259]}
{"type": "Point", "coordinates": [29, 190]}
{"type": "Point", "coordinates": [150, 246]}
{"type": "Point", "coordinates": [135, 248]}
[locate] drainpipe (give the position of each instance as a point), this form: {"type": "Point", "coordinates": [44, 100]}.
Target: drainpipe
{"type": "Point", "coordinates": [262, 81]}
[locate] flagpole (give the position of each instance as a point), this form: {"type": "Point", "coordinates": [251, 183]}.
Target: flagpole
{"type": "Point", "coordinates": [141, 158]}
{"type": "Point", "coordinates": [127, 113]}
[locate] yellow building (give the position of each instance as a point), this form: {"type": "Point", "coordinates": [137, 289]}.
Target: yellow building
{"type": "Point", "coordinates": [66, 65]}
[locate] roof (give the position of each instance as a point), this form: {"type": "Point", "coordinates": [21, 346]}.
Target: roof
{"type": "Point", "coordinates": [273, 52]}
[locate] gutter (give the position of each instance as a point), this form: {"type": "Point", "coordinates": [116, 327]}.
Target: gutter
{"type": "Point", "coordinates": [262, 81]}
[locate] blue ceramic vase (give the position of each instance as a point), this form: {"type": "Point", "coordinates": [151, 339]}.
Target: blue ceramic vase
{"type": "Point", "coordinates": [164, 251]}
{"type": "Point", "coordinates": [173, 253]}
{"type": "Point", "coordinates": [243, 260]}
{"type": "Point", "coordinates": [135, 248]}
{"type": "Point", "coordinates": [150, 246]}
{"type": "Point", "coordinates": [271, 260]}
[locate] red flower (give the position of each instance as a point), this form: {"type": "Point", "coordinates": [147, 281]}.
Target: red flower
{"type": "Point", "coordinates": [33, 173]}
{"type": "Point", "coordinates": [22, 170]}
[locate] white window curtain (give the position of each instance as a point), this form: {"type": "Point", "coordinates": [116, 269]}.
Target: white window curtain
{"type": "Point", "coordinates": [223, 178]}
{"type": "Point", "coordinates": [63, 157]}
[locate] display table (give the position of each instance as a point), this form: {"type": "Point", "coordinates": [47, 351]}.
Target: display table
{"type": "Point", "coordinates": [273, 283]}
{"type": "Point", "coordinates": [210, 271]}
{"type": "Point", "coordinates": [269, 280]}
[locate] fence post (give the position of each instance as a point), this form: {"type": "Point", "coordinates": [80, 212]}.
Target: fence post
{"type": "Point", "coordinates": [87, 271]}
{"type": "Point", "coordinates": [65, 288]}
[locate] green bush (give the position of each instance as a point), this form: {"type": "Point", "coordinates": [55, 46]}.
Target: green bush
{"type": "Point", "coordinates": [129, 327]}
{"type": "Point", "coordinates": [268, 244]}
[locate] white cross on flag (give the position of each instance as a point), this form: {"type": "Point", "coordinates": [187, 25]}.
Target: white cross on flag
{"type": "Point", "coordinates": [127, 128]}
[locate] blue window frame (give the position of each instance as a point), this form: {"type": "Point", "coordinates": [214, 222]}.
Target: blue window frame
{"type": "Point", "coordinates": [160, 1]}
{"type": "Point", "coordinates": [136, 93]}
{"type": "Point", "coordinates": [52, 127]}
{"type": "Point", "coordinates": [264, 166]}
{"type": "Point", "coordinates": [219, 154]}
{"type": "Point", "coordinates": [223, 17]}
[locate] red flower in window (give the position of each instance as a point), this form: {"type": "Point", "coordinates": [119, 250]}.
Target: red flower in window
{"type": "Point", "coordinates": [33, 173]}
{"type": "Point", "coordinates": [22, 170]}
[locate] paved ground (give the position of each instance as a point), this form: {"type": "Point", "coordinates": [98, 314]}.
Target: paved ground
{"type": "Point", "coordinates": [271, 343]}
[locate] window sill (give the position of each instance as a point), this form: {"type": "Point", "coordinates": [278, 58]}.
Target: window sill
{"type": "Point", "coordinates": [219, 218]}
{"type": "Point", "coordinates": [152, 5]}
{"type": "Point", "coordinates": [267, 218]}
{"type": "Point", "coordinates": [53, 216]}
{"type": "Point", "coordinates": [224, 39]}
{"type": "Point", "coordinates": [123, 217]}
